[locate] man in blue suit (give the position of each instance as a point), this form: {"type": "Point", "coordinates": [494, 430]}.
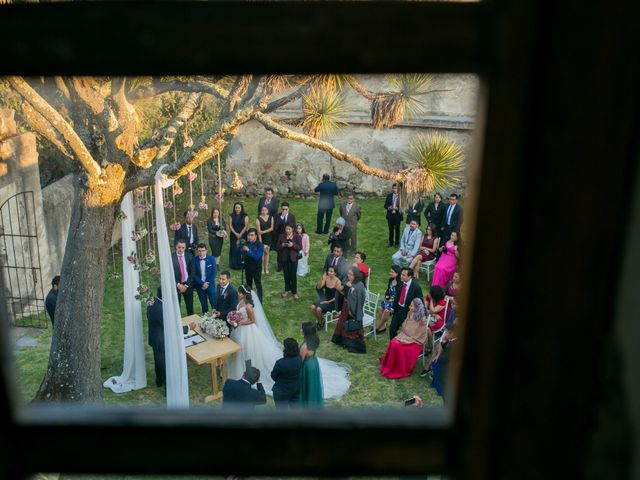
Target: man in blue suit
{"type": "Point", "coordinates": [328, 190]}
{"type": "Point", "coordinates": [238, 393]}
{"type": "Point", "coordinates": [206, 271]}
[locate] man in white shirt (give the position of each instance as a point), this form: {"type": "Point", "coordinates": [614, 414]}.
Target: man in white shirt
{"type": "Point", "coordinates": [184, 274]}
{"type": "Point", "coordinates": [409, 244]}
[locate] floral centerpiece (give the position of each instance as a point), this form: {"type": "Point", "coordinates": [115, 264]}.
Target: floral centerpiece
{"type": "Point", "coordinates": [234, 318]}
{"type": "Point", "coordinates": [214, 326]}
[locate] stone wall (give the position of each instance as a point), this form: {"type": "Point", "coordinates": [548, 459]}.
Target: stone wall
{"type": "Point", "coordinates": [262, 159]}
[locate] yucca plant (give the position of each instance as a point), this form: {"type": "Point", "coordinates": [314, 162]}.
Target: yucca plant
{"type": "Point", "coordinates": [274, 84]}
{"type": "Point", "coordinates": [330, 82]}
{"type": "Point", "coordinates": [438, 163]}
{"type": "Point", "coordinates": [390, 108]}
{"type": "Point", "coordinates": [324, 112]}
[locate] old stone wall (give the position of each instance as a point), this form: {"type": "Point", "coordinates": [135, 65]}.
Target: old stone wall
{"type": "Point", "coordinates": [263, 159]}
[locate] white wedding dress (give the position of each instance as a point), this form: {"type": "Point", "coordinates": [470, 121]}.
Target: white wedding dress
{"type": "Point", "coordinates": [259, 344]}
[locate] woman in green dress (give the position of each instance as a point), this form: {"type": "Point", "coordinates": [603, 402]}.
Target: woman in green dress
{"type": "Point", "coordinates": [311, 394]}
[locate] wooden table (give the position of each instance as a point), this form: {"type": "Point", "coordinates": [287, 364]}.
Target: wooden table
{"type": "Point", "coordinates": [214, 352]}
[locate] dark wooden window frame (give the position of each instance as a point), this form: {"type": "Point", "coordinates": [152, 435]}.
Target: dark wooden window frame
{"type": "Point", "coordinates": [512, 375]}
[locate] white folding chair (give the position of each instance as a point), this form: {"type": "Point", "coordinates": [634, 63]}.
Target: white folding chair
{"type": "Point", "coordinates": [368, 277]}
{"type": "Point", "coordinates": [428, 267]}
{"type": "Point", "coordinates": [437, 334]}
{"type": "Point", "coordinates": [330, 317]}
{"type": "Point", "coordinates": [370, 312]}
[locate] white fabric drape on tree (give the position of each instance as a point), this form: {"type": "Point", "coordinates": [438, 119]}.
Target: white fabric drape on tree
{"type": "Point", "coordinates": [175, 357]}
{"type": "Point", "coordinates": [134, 372]}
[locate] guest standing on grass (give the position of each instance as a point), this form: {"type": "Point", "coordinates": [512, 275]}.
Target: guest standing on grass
{"type": "Point", "coordinates": [184, 274]}
{"type": "Point", "coordinates": [238, 224]}
{"type": "Point", "coordinates": [265, 228]}
{"type": "Point", "coordinates": [394, 215]}
{"type": "Point", "coordinates": [217, 229]}
{"type": "Point", "coordinates": [289, 246]}
{"type": "Point", "coordinates": [352, 213]}
{"type": "Point", "coordinates": [414, 210]}
{"type": "Point", "coordinates": [188, 232]}
{"type": "Point", "coordinates": [205, 272]}
{"type": "Point", "coordinates": [268, 201]}
{"type": "Point", "coordinates": [434, 213]}
{"type": "Point", "coordinates": [52, 298]}
{"type": "Point", "coordinates": [328, 190]}
{"type": "Point", "coordinates": [303, 262]}
{"type": "Point", "coordinates": [349, 331]}
{"type": "Point", "coordinates": [286, 375]}
{"type": "Point", "coordinates": [253, 251]}
{"type": "Point", "coordinates": [311, 390]}
{"type": "Point", "coordinates": [339, 237]}
{"type": "Point", "coordinates": [452, 219]}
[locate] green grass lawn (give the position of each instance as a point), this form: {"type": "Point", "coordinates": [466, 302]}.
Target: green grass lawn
{"type": "Point", "coordinates": [368, 387]}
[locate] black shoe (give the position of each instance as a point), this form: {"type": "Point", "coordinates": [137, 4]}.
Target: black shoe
{"type": "Point", "coordinates": [378, 332]}
{"type": "Point", "coordinates": [425, 372]}
{"type": "Point", "coordinates": [318, 232]}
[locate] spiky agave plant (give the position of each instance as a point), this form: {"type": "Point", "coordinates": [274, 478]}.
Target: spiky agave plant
{"type": "Point", "coordinates": [324, 112]}
{"type": "Point", "coordinates": [437, 164]}
{"type": "Point", "coordinates": [390, 108]}
{"type": "Point", "coordinates": [331, 82]}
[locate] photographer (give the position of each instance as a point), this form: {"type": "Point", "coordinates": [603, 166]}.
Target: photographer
{"type": "Point", "coordinates": [252, 252]}
{"type": "Point", "coordinates": [339, 237]}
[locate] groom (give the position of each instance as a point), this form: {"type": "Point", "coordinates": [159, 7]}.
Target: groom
{"type": "Point", "coordinates": [226, 296]}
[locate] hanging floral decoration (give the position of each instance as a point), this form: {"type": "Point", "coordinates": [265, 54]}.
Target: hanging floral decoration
{"type": "Point", "coordinates": [202, 205]}
{"type": "Point", "coordinates": [236, 183]}
{"type": "Point", "coordinates": [168, 205]}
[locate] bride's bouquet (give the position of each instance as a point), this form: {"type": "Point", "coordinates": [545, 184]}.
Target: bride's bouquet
{"type": "Point", "coordinates": [213, 326]}
{"type": "Point", "coordinates": [234, 318]}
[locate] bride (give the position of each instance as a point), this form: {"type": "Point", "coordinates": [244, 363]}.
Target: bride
{"type": "Point", "coordinates": [259, 344]}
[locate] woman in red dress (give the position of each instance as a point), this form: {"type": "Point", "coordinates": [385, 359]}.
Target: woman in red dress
{"type": "Point", "coordinates": [427, 250]}
{"type": "Point", "coordinates": [437, 311]}
{"type": "Point", "coordinates": [404, 350]}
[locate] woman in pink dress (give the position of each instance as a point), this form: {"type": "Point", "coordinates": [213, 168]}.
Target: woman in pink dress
{"type": "Point", "coordinates": [404, 350]}
{"type": "Point", "coordinates": [447, 264]}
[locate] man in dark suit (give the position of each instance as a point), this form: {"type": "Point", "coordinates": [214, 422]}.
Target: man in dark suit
{"type": "Point", "coordinates": [52, 298]}
{"type": "Point", "coordinates": [452, 220]}
{"type": "Point", "coordinates": [286, 375]}
{"type": "Point", "coordinates": [238, 393]}
{"type": "Point", "coordinates": [253, 251]}
{"type": "Point", "coordinates": [281, 221]}
{"type": "Point", "coordinates": [352, 213]}
{"type": "Point", "coordinates": [156, 337]}
{"type": "Point", "coordinates": [205, 272]}
{"type": "Point", "coordinates": [188, 232]}
{"type": "Point", "coordinates": [184, 274]}
{"type": "Point", "coordinates": [413, 212]}
{"type": "Point", "coordinates": [408, 289]}
{"type": "Point", "coordinates": [335, 259]}
{"type": "Point", "coordinates": [394, 215]}
{"type": "Point", "coordinates": [269, 201]}
{"type": "Point", "coordinates": [327, 190]}
{"type": "Point", "coordinates": [226, 296]}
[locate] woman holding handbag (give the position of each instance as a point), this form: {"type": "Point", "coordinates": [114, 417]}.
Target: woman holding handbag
{"type": "Point", "coordinates": [349, 332]}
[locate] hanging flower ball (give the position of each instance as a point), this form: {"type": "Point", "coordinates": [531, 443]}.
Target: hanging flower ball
{"type": "Point", "coordinates": [155, 271]}
{"type": "Point", "coordinates": [175, 226]}
{"type": "Point", "coordinates": [135, 236]}
{"type": "Point", "coordinates": [168, 205]}
{"type": "Point", "coordinates": [132, 259]}
{"type": "Point", "coordinates": [138, 192]}
{"type": "Point", "coordinates": [191, 208]}
{"type": "Point", "coordinates": [203, 198]}
{"type": "Point", "coordinates": [188, 142]}
{"type": "Point", "coordinates": [192, 176]}
{"type": "Point", "coordinates": [203, 206]}
{"type": "Point", "coordinates": [219, 197]}
{"type": "Point", "coordinates": [236, 183]}
{"type": "Point", "coordinates": [177, 190]}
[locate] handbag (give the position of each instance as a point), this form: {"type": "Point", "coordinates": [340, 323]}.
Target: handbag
{"type": "Point", "coordinates": [351, 324]}
{"type": "Point", "coordinates": [300, 255]}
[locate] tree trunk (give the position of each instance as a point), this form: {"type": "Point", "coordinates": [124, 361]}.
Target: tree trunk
{"type": "Point", "coordinates": [73, 372]}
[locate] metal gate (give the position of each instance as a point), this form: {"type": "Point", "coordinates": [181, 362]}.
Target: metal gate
{"type": "Point", "coordinates": [20, 261]}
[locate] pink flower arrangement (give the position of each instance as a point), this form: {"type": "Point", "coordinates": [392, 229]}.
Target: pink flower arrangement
{"type": "Point", "coordinates": [219, 197]}
{"type": "Point", "coordinates": [192, 176]}
{"type": "Point", "coordinates": [150, 302]}
{"type": "Point", "coordinates": [175, 226]}
{"type": "Point", "coordinates": [138, 192]}
{"type": "Point", "coordinates": [188, 142]}
{"type": "Point", "coordinates": [142, 289]}
{"type": "Point", "coordinates": [192, 213]}
{"type": "Point", "coordinates": [234, 318]}
{"type": "Point", "coordinates": [203, 206]}
{"type": "Point", "coordinates": [155, 271]}
{"type": "Point", "coordinates": [169, 204]}
{"type": "Point", "coordinates": [132, 259]}
{"type": "Point", "coordinates": [177, 189]}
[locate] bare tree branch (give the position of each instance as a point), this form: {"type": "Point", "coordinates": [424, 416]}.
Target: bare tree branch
{"type": "Point", "coordinates": [284, 132]}
{"type": "Point", "coordinates": [127, 117]}
{"type": "Point", "coordinates": [361, 89]}
{"type": "Point", "coordinates": [158, 88]}
{"type": "Point", "coordinates": [59, 124]}
{"type": "Point", "coordinates": [298, 93]}
{"type": "Point", "coordinates": [237, 90]}
{"type": "Point", "coordinates": [251, 90]}
{"type": "Point", "coordinates": [160, 145]}
{"type": "Point", "coordinates": [40, 124]}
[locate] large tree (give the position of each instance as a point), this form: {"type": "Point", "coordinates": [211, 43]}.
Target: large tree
{"type": "Point", "coordinates": [96, 123]}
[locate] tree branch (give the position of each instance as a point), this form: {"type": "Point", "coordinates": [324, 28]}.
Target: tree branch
{"type": "Point", "coordinates": [127, 117]}
{"type": "Point", "coordinates": [361, 89]}
{"type": "Point", "coordinates": [288, 98]}
{"type": "Point", "coordinates": [158, 88]}
{"type": "Point", "coordinates": [59, 124]}
{"type": "Point", "coordinates": [160, 145]}
{"type": "Point", "coordinates": [40, 124]}
{"type": "Point", "coordinates": [284, 132]}
{"type": "Point", "coordinates": [237, 90]}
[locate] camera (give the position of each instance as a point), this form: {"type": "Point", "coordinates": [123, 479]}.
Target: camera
{"type": "Point", "coordinates": [243, 242]}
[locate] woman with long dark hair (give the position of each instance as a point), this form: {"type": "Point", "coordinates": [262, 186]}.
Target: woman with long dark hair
{"type": "Point", "coordinates": [427, 250]}
{"type": "Point", "coordinates": [447, 264]}
{"type": "Point", "coordinates": [286, 375]}
{"type": "Point", "coordinates": [349, 332]}
{"type": "Point", "coordinates": [327, 290]}
{"type": "Point", "coordinates": [311, 392]}
{"type": "Point", "coordinates": [385, 310]}
{"type": "Point", "coordinates": [217, 229]}
{"type": "Point", "coordinates": [264, 226]}
{"type": "Point", "coordinates": [289, 246]}
{"type": "Point", "coordinates": [238, 224]}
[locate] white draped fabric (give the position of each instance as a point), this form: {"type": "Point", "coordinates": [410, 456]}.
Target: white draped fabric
{"type": "Point", "coordinates": [175, 357]}
{"type": "Point", "coordinates": [134, 373]}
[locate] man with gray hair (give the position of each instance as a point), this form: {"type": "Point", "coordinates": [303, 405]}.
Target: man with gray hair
{"type": "Point", "coordinates": [340, 235]}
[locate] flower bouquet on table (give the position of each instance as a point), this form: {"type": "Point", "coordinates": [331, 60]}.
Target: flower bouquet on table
{"type": "Point", "coordinates": [213, 326]}
{"type": "Point", "coordinates": [234, 318]}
